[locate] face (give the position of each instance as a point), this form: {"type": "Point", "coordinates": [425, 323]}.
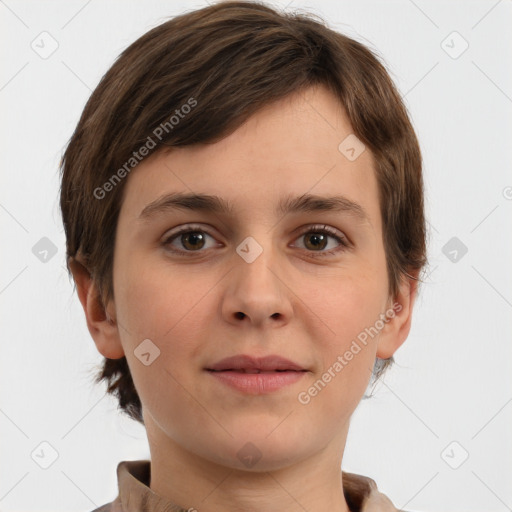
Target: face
{"type": "Point", "coordinates": [300, 283]}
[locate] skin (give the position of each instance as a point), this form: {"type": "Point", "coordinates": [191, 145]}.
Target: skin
{"type": "Point", "coordinates": [303, 308]}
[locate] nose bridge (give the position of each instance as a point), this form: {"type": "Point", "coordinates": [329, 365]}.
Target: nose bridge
{"type": "Point", "coordinates": [257, 262]}
{"type": "Point", "coordinates": [256, 293]}
{"type": "Point", "coordinates": [255, 271]}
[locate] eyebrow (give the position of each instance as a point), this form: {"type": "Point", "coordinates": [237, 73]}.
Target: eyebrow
{"type": "Point", "coordinates": [289, 204]}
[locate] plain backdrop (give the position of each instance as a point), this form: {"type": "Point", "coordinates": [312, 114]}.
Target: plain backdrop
{"type": "Point", "coordinates": [436, 436]}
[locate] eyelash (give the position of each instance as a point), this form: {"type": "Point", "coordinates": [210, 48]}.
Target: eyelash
{"type": "Point", "coordinates": [317, 229]}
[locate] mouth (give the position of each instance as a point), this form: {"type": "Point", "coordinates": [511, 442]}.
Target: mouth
{"type": "Point", "coordinates": [255, 381]}
{"type": "Point", "coordinates": [253, 370]}
{"type": "Point", "coordinates": [252, 375]}
{"type": "Point", "coordinates": [248, 364]}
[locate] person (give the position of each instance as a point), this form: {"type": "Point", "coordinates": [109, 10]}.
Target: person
{"type": "Point", "coordinates": [243, 208]}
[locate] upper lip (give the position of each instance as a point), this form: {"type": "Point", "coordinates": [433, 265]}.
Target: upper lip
{"type": "Point", "coordinates": [245, 362]}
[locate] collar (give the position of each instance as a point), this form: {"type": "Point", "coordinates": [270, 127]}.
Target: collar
{"type": "Point", "coordinates": [361, 492]}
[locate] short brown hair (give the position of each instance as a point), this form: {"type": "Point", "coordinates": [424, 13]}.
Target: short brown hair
{"type": "Point", "coordinates": [233, 58]}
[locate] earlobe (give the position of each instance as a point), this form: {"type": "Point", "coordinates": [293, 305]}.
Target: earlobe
{"type": "Point", "coordinates": [100, 322]}
{"type": "Point", "coordinates": [398, 327]}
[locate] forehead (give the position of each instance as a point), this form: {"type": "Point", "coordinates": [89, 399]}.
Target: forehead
{"type": "Point", "coordinates": [289, 148]}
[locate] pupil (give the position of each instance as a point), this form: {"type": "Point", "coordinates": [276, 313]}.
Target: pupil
{"type": "Point", "coordinates": [190, 239]}
{"type": "Point", "coordinates": [317, 237]}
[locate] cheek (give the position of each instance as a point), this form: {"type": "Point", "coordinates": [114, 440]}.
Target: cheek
{"type": "Point", "coordinates": [172, 311]}
{"type": "Point", "coordinates": [346, 304]}
{"type": "Point", "coordinates": [349, 308]}
{"type": "Point", "coordinates": [156, 301]}
{"type": "Point", "coordinates": [346, 357]}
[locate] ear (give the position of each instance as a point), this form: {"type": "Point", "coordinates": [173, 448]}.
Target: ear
{"type": "Point", "coordinates": [100, 321]}
{"type": "Point", "coordinates": [397, 329]}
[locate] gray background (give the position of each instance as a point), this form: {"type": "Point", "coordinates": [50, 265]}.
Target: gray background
{"type": "Point", "coordinates": [449, 395]}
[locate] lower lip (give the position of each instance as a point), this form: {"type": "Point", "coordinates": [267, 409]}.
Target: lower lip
{"type": "Point", "coordinates": [257, 383]}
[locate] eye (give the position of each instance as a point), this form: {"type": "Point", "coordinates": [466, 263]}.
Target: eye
{"type": "Point", "coordinates": [188, 239]}
{"type": "Point", "coordinates": [317, 240]}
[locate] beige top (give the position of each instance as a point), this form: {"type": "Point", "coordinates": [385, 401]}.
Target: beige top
{"type": "Point", "coordinates": [133, 478]}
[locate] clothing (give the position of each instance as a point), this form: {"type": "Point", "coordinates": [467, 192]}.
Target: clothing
{"type": "Point", "coordinates": [133, 478]}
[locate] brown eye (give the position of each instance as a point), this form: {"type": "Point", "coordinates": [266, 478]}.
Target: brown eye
{"type": "Point", "coordinates": [193, 240]}
{"type": "Point", "coordinates": [315, 241]}
{"type": "Point", "coordinates": [189, 239]}
{"type": "Point", "coordinates": [323, 240]}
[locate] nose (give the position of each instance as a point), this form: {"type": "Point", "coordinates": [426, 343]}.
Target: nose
{"type": "Point", "coordinates": [257, 292]}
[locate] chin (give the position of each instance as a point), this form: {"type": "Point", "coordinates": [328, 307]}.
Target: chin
{"type": "Point", "coordinates": [257, 452]}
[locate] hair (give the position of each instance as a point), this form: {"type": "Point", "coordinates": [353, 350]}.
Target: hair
{"type": "Point", "coordinates": [232, 58]}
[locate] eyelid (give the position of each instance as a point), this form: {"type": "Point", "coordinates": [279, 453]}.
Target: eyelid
{"type": "Point", "coordinates": [316, 228]}
{"type": "Point", "coordinates": [185, 228]}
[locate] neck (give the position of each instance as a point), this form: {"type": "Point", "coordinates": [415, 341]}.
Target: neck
{"type": "Point", "coordinates": [193, 482]}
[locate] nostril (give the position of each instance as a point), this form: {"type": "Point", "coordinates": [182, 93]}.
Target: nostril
{"type": "Point", "coordinates": [240, 315]}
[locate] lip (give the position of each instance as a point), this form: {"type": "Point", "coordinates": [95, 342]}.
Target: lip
{"type": "Point", "coordinates": [256, 375]}
{"type": "Point", "coordinates": [257, 383]}
{"type": "Point", "coordinates": [245, 362]}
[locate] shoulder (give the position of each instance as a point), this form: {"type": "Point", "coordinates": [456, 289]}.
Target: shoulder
{"type": "Point", "coordinates": [105, 508]}
{"type": "Point", "coordinates": [132, 481]}
{"type": "Point", "coordinates": [363, 495]}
